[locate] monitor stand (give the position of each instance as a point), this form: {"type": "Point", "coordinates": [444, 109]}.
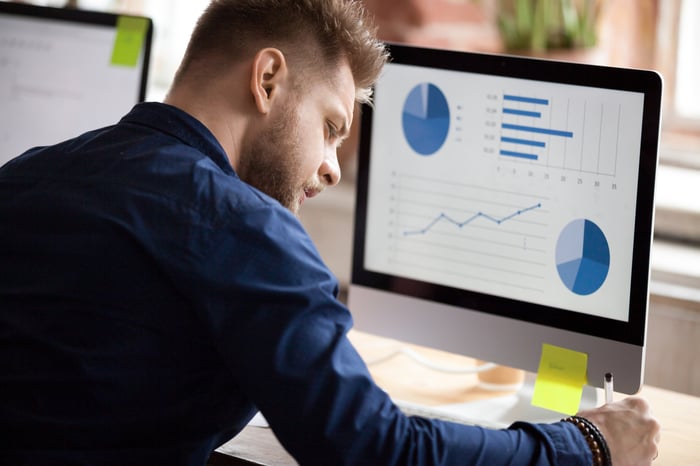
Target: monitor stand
{"type": "Point", "coordinates": [501, 411]}
{"type": "Point", "coordinates": [434, 383]}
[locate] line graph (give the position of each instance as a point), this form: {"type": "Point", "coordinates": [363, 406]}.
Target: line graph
{"type": "Point", "coordinates": [491, 218]}
{"type": "Point", "coordinates": [459, 233]}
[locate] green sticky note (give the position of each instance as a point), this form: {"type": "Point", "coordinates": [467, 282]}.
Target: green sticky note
{"type": "Point", "coordinates": [131, 32]}
{"type": "Point", "coordinates": [560, 379]}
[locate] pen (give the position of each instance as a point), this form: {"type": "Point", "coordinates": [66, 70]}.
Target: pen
{"type": "Point", "coordinates": [608, 386]}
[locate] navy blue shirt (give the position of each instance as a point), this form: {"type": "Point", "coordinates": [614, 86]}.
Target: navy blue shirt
{"type": "Point", "coordinates": [151, 302]}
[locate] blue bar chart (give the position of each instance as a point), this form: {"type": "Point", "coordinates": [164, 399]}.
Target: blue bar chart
{"type": "Point", "coordinates": [566, 133]}
{"type": "Point", "coordinates": [515, 135]}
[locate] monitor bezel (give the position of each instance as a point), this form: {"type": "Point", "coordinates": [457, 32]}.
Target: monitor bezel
{"type": "Point", "coordinates": [644, 81]}
{"type": "Point", "coordinates": [96, 18]}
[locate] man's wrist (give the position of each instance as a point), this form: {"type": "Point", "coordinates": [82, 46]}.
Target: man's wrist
{"type": "Point", "coordinates": [594, 438]}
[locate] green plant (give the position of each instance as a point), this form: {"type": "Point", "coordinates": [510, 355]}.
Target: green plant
{"type": "Point", "coordinates": [540, 25]}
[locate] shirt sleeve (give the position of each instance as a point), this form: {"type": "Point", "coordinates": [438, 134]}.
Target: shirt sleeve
{"type": "Point", "coordinates": [273, 310]}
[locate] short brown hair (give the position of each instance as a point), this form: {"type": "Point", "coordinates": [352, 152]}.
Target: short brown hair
{"type": "Point", "coordinates": [314, 33]}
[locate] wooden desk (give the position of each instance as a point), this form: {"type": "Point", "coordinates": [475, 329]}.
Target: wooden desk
{"type": "Point", "coordinates": [677, 413]}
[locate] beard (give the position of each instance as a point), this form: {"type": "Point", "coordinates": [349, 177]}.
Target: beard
{"type": "Point", "coordinates": [270, 162]}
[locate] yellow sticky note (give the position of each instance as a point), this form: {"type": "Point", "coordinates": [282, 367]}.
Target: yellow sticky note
{"type": "Point", "coordinates": [560, 379]}
{"type": "Point", "coordinates": [131, 32]}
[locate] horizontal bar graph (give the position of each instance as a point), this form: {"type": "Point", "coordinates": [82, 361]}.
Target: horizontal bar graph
{"type": "Point", "coordinates": [526, 142]}
{"type": "Point", "coordinates": [527, 100]}
{"type": "Point", "coordinates": [520, 155]}
{"type": "Point", "coordinates": [528, 113]}
{"type": "Point", "coordinates": [521, 125]}
{"type": "Point", "coordinates": [535, 129]}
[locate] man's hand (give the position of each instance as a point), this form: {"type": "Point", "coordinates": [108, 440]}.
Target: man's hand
{"type": "Point", "coordinates": [630, 431]}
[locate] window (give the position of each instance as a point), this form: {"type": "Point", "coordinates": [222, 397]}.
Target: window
{"type": "Point", "coordinates": [678, 40]}
{"type": "Point", "coordinates": [687, 98]}
{"type": "Point", "coordinates": [678, 187]}
{"type": "Point", "coordinates": [682, 67]}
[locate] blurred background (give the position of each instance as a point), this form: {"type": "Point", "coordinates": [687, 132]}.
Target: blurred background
{"type": "Point", "coordinates": [663, 35]}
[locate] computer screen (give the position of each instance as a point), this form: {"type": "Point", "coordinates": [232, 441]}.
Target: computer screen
{"type": "Point", "coordinates": [66, 71]}
{"type": "Point", "coordinates": [504, 203]}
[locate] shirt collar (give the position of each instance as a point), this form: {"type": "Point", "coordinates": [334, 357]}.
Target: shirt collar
{"type": "Point", "coordinates": [181, 125]}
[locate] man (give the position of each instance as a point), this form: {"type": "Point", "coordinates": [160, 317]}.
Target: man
{"type": "Point", "coordinates": [157, 289]}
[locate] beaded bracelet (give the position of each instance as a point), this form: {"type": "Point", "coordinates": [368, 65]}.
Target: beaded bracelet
{"type": "Point", "coordinates": [594, 438]}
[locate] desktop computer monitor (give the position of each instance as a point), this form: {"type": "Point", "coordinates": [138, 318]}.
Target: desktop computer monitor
{"type": "Point", "coordinates": [504, 203]}
{"type": "Point", "coordinates": [66, 71]}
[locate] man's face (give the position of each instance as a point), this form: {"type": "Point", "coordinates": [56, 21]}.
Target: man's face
{"type": "Point", "coordinates": [294, 156]}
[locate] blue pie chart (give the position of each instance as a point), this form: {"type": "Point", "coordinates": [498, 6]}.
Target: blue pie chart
{"type": "Point", "coordinates": [426, 118]}
{"type": "Point", "coordinates": [582, 257]}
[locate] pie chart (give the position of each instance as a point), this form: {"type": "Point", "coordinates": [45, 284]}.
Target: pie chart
{"type": "Point", "coordinates": [426, 118]}
{"type": "Point", "coordinates": [582, 257]}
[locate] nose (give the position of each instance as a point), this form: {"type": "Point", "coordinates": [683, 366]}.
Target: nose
{"type": "Point", "coordinates": [329, 171]}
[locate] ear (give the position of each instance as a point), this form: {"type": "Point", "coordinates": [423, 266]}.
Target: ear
{"type": "Point", "coordinates": [268, 78]}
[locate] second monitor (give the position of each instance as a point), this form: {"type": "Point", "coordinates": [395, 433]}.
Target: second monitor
{"type": "Point", "coordinates": [64, 71]}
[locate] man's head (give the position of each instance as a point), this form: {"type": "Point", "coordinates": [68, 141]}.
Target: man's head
{"type": "Point", "coordinates": [301, 65]}
{"type": "Point", "coordinates": [314, 35]}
